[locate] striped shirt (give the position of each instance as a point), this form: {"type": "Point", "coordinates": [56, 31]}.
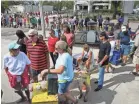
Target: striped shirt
{"type": "Point", "coordinates": [38, 54]}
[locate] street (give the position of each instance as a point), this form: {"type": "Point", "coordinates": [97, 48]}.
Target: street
{"type": "Point", "coordinates": [120, 87]}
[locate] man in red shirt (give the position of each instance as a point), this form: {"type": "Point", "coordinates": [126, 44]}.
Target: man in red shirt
{"type": "Point", "coordinates": [38, 54]}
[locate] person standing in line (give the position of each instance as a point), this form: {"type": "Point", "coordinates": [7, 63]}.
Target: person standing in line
{"type": "Point", "coordinates": [17, 65]}
{"type": "Point", "coordinates": [51, 45]}
{"type": "Point", "coordinates": [103, 59]}
{"type": "Point", "coordinates": [47, 21]}
{"type": "Point", "coordinates": [100, 20]}
{"type": "Point", "coordinates": [124, 40]}
{"type": "Point", "coordinates": [70, 36]}
{"type": "Point", "coordinates": [38, 54]}
{"type": "Point", "coordinates": [21, 40]}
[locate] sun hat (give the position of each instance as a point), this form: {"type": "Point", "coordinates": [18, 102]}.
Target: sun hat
{"type": "Point", "coordinates": [13, 45]}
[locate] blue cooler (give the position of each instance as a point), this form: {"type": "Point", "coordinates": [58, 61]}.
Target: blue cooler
{"type": "Point", "coordinates": [115, 60]}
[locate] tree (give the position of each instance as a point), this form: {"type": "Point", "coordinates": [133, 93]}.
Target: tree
{"type": "Point", "coordinates": [5, 4]}
{"type": "Point", "coordinates": [115, 5]}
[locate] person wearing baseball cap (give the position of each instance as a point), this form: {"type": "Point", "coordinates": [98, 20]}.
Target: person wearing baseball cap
{"type": "Point", "coordinates": [16, 65]}
{"type": "Point", "coordinates": [124, 40]}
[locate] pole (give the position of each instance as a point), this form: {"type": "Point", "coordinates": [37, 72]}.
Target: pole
{"type": "Point", "coordinates": [42, 18]}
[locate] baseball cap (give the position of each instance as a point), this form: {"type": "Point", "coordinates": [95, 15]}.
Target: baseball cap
{"type": "Point", "coordinates": [13, 45]}
{"type": "Point", "coordinates": [123, 28]}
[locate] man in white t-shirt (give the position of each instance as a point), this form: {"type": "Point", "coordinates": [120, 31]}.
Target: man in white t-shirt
{"type": "Point", "coordinates": [16, 64]}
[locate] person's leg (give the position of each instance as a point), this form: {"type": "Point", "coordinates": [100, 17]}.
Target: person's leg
{"type": "Point", "coordinates": [63, 90]}
{"type": "Point", "coordinates": [18, 90]}
{"type": "Point", "coordinates": [107, 68]}
{"type": "Point", "coordinates": [27, 92]}
{"type": "Point", "coordinates": [101, 78]}
{"type": "Point", "coordinates": [126, 52]}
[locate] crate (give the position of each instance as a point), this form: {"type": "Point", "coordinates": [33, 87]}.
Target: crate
{"type": "Point", "coordinates": [40, 97]}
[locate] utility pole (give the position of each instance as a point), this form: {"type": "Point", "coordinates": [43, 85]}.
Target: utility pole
{"type": "Point", "coordinates": [42, 18]}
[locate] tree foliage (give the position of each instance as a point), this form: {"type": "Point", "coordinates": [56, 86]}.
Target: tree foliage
{"type": "Point", "coordinates": [60, 4]}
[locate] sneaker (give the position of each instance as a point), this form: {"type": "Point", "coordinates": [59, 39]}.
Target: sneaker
{"type": "Point", "coordinates": [98, 88]}
{"type": "Point", "coordinates": [135, 73]}
{"type": "Point", "coordinates": [96, 82]}
{"type": "Point", "coordinates": [85, 99]}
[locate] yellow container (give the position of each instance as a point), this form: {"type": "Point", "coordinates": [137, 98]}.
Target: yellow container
{"type": "Point", "coordinates": [40, 97]}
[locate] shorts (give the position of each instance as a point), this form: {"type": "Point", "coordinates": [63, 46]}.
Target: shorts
{"type": "Point", "coordinates": [100, 24]}
{"type": "Point", "coordinates": [63, 87]}
{"type": "Point", "coordinates": [135, 60]}
{"type": "Point", "coordinates": [35, 73]}
{"type": "Point", "coordinates": [125, 49]}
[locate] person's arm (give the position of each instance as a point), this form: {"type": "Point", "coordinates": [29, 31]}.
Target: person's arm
{"type": "Point", "coordinates": [5, 66]}
{"type": "Point", "coordinates": [107, 54]}
{"type": "Point", "coordinates": [90, 56]}
{"type": "Point", "coordinates": [53, 71]}
{"type": "Point", "coordinates": [59, 70]}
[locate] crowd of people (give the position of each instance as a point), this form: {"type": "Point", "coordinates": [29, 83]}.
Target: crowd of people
{"type": "Point", "coordinates": [28, 57]}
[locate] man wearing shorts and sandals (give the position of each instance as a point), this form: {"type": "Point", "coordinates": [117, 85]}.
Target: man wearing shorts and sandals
{"type": "Point", "coordinates": [124, 41]}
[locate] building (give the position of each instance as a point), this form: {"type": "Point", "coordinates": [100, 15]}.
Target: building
{"type": "Point", "coordinates": [28, 8]}
{"type": "Point", "coordinates": [90, 5]}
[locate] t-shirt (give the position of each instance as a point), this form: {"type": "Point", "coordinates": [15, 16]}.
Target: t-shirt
{"type": "Point", "coordinates": [51, 43]}
{"type": "Point", "coordinates": [124, 38]}
{"type": "Point", "coordinates": [65, 60]}
{"type": "Point", "coordinates": [113, 43]}
{"type": "Point", "coordinates": [38, 54]}
{"type": "Point", "coordinates": [16, 65]}
{"type": "Point", "coordinates": [69, 37]}
{"type": "Point", "coordinates": [104, 49]}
